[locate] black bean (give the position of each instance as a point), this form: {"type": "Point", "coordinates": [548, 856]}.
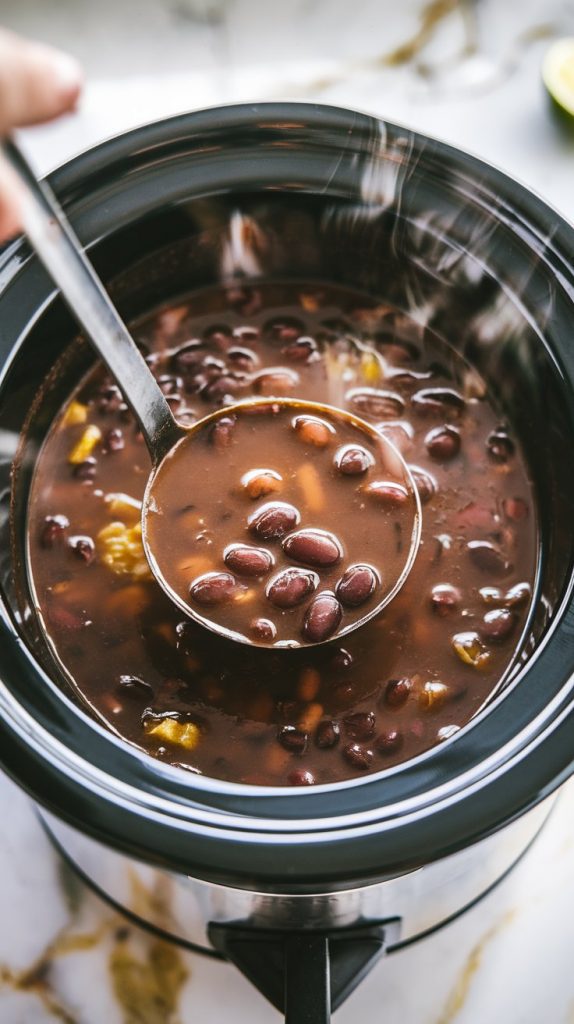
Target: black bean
{"type": "Point", "coordinates": [53, 529]}
{"type": "Point", "coordinates": [388, 742]}
{"type": "Point", "coordinates": [497, 625]}
{"type": "Point", "coordinates": [219, 335]}
{"type": "Point", "coordinates": [444, 599]}
{"type": "Point", "coordinates": [273, 520]}
{"type": "Point", "coordinates": [170, 384]}
{"type": "Point", "coordinates": [327, 734]}
{"type": "Point", "coordinates": [424, 483]}
{"type": "Point", "coordinates": [352, 460]}
{"type": "Point", "coordinates": [302, 350]}
{"type": "Point", "coordinates": [246, 335]}
{"type": "Point", "coordinates": [263, 629]}
{"type": "Point", "coordinates": [87, 469]}
{"type": "Point", "coordinates": [360, 724]}
{"type": "Point", "coordinates": [356, 585]}
{"type": "Point", "coordinates": [438, 401]}
{"type": "Point", "coordinates": [213, 588]}
{"type": "Point", "coordinates": [387, 494]}
{"type": "Point", "coordinates": [301, 777]}
{"type": "Point", "coordinates": [227, 384]}
{"type": "Point", "coordinates": [314, 431]}
{"type": "Point", "coordinates": [397, 692]}
{"type": "Point", "coordinates": [292, 738]}
{"type": "Point", "coordinates": [488, 558]}
{"type": "Point", "coordinates": [222, 433]}
{"type": "Point", "coordinates": [322, 618]}
{"type": "Point", "coordinates": [342, 659]}
{"type": "Point", "coordinates": [443, 443]}
{"type": "Point", "coordinates": [518, 594]}
{"type": "Point", "coordinates": [381, 405]}
{"type": "Point", "coordinates": [108, 399]}
{"type": "Point", "coordinates": [291, 586]}
{"type": "Point", "coordinates": [259, 482]}
{"type": "Point", "coordinates": [500, 446]}
{"type": "Point", "coordinates": [277, 381]}
{"type": "Point", "coordinates": [358, 756]}
{"type": "Point", "coordinates": [399, 434]}
{"type": "Point", "coordinates": [133, 686]}
{"type": "Point", "coordinates": [188, 357]}
{"type": "Point", "coordinates": [242, 358]}
{"type": "Point", "coordinates": [284, 331]}
{"type": "Point", "coordinates": [114, 440]}
{"type": "Point", "coordinates": [212, 366]}
{"type": "Point", "coordinates": [313, 547]}
{"type": "Point", "coordinates": [83, 548]}
{"type": "Point", "coordinates": [247, 561]}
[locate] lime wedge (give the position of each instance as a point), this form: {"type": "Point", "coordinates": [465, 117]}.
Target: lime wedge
{"type": "Point", "coordinates": [558, 74]}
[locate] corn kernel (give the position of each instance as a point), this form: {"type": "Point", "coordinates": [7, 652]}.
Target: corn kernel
{"type": "Point", "coordinates": [309, 302]}
{"type": "Point", "coordinates": [181, 734]}
{"type": "Point", "coordinates": [311, 717]}
{"type": "Point", "coordinates": [471, 650]}
{"type": "Point", "coordinates": [84, 447]}
{"type": "Point", "coordinates": [75, 413]}
{"type": "Point", "coordinates": [370, 368]}
{"type": "Point", "coordinates": [123, 505]}
{"type": "Point", "coordinates": [309, 684]}
{"type": "Point", "coordinates": [121, 550]}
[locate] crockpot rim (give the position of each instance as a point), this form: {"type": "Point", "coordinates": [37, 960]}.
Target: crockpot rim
{"type": "Point", "coordinates": [121, 147]}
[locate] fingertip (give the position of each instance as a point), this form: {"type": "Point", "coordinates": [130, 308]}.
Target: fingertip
{"type": "Point", "coordinates": [10, 203]}
{"type": "Point", "coordinates": [68, 78]}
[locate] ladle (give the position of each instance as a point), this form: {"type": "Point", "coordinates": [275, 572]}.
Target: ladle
{"type": "Point", "coordinates": [54, 241]}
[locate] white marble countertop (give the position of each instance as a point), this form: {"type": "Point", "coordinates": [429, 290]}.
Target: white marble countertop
{"type": "Point", "coordinates": [475, 82]}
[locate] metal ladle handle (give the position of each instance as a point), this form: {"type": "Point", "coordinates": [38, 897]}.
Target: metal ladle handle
{"type": "Point", "coordinates": [51, 236]}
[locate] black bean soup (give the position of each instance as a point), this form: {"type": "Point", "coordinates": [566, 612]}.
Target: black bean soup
{"type": "Point", "coordinates": [295, 554]}
{"type": "Point", "coordinates": [398, 685]}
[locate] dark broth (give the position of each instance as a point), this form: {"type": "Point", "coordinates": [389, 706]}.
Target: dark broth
{"type": "Point", "coordinates": [401, 683]}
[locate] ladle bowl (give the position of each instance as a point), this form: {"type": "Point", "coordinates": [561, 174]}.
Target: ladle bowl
{"type": "Point", "coordinates": [178, 471]}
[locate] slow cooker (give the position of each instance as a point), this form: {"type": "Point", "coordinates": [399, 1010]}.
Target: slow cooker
{"type": "Point", "coordinates": [303, 889]}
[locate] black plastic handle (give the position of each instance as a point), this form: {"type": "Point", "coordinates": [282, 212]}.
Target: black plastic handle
{"type": "Point", "coordinates": [307, 979]}
{"type": "Point", "coordinates": [306, 974]}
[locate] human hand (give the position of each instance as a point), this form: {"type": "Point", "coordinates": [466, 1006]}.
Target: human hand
{"type": "Point", "coordinates": [37, 83]}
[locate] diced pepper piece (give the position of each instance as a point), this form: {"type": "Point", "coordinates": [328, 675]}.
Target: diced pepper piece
{"type": "Point", "coordinates": [75, 413]}
{"type": "Point", "coordinates": [370, 368]}
{"type": "Point", "coordinates": [181, 734]}
{"type": "Point", "coordinates": [123, 505]}
{"type": "Point", "coordinates": [310, 484]}
{"type": "Point", "coordinates": [121, 548]}
{"type": "Point", "coordinates": [84, 447]}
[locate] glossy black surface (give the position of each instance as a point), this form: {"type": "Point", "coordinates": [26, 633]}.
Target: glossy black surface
{"type": "Point", "coordinates": [392, 213]}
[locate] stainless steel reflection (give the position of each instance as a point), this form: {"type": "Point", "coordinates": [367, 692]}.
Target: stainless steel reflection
{"type": "Point", "coordinates": [183, 907]}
